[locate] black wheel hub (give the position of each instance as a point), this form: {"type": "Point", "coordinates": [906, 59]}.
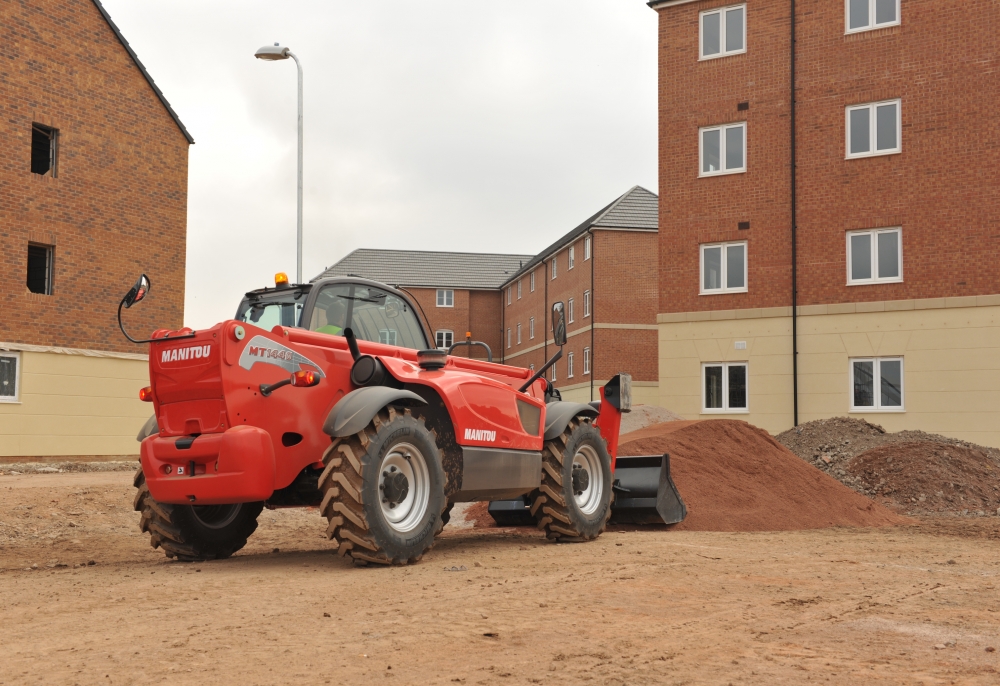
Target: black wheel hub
{"type": "Point", "coordinates": [394, 486]}
{"type": "Point", "coordinates": [581, 479]}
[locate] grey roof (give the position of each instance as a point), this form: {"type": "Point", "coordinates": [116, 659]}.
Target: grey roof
{"type": "Point", "coordinates": [142, 69]}
{"type": "Point", "coordinates": [418, 268]}
{"type": "Point", "coordinates": [637, 210]}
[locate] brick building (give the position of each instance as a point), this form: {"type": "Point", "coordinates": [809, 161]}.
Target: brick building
{"type": "Point", "coordinates": [604, 270]}
{"type": "Point", "coordinates": [93, 183]}
{"type": "Point", "coordinates": [884, 239]}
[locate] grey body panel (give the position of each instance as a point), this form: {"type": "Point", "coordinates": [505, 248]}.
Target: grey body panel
{"type": "Point", "coordinates": [148, 429]}
{"type": "Point", "coordinates": [559, 413]}
{"type": "Point", "coordinates": [356, 409]}
{"type": "Point", "coordinates": [492, 474]}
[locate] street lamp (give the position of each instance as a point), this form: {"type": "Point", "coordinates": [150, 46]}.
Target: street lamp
{"type": "Point", "coordinates": [272, 53]}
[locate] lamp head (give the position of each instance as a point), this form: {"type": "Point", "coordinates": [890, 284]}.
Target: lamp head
{"type": "Point", "coordinates": [271, 53]}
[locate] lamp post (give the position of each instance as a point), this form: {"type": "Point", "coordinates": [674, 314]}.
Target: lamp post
{"type": "Point", "coordinates": [272, 53]}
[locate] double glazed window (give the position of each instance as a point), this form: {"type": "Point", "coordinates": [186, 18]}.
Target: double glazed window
{"type": "Point", "coordinates": [10, 364]}
{"type": "Point", "coordinates": [586, 360]}
{"type": "Point", "coordinates": [724, 268]}
{"type": "Point", "coordinates": [519, 333]}
{"type": "Point", "coordinates": [723, 32]}
{"type": "Point", "coordinates": [586, 303]}
{"type": "Point", "coordinates": [445, 298]}
{"type": "Point", "coordinates": [519, 289]}
{"type": "Point", "coordinates": [877, 384]}
{"type": "Point", "coordinates": [531, 282]}
{"type": "Point", "coordinates": [572, 257]}
{"type": "Point", "coordinates": [874, 256]}
{"type": "Point", "coordinates": [569, 366]}
{"type": "Point", "coordinates": [555, 265]}
{"type": "Point", "coordinates": [864, 15]}
{"type": "Point", "coordinates": [722, 149]}
{"type": "Point", "coordinates": [874, 129]}
{"type": "Point", "coordinates": [444, 338]}
{"type": "Point", "coordinates": [586, 248]}
{"type": "Point", "coordinates": [531, 327]}
{"type": "Point", "coordinates": [569, 308]}
{"type": "Point", "coordinates": [724, 387]}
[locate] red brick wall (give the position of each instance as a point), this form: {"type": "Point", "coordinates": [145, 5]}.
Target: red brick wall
{"type": "Point", "coordinates": [118, 206]}
{"type": "Point", "coordinates": [941, 189]}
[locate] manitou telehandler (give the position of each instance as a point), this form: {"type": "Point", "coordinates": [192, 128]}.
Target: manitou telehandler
{"type": "Point", "coordinates": [329, 395]}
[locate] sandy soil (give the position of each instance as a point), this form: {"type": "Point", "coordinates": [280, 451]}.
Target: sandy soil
{"type": "Point", "coordinates": [897, 605]}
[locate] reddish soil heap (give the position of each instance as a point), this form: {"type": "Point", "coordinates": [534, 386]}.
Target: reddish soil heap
{"type": "Point", "coordinates": [735, 477]}
{"type": "Point", "coordinates": [930, 478]}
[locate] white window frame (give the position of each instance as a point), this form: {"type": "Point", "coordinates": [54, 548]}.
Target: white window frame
{"type": "Point", "coordinates": [586, 249]}
{"type": "Point", "coordinates": [531, 328]}
{"type": "Point", "coordinates": [725, 388]}
{"type": "Point", "coordinates": [569, 311]}
{"type": "Point", "coordinates": [553, 374]}
{"type": "Point", "coordinates": [725, 275]}
{"type": "Point", "coordinates": [519, 288]}
{"type": "Point", "coordinates": [555, 267]}
{"type": "Point", "coordinates": [508, 337]}
{"type": "Point", "coordinates": [571, 259]}
{"type": "Point", "coordinates": [874, 233]}
{"type": "Point", "coordinates": [388, 334]}
{"type": "Point", "coordinates": [586, 304]}
{"type": "Point", "coordinates": [519, 333]}
{"type": "Point", "coordinates": [531, 282]}
{"type": "Point", "coordinates": [508, 295]}
{"type": "Point", "coordinates": [722, 32]}
{"type": "Point", "coordinates": [871, 25]}
{"type": "Point", "coordinates": [446, 333]}
{"type": "Point", "coordinates": [586, 361]}
{"type": "Point", "coordinates": [16, 398]}
{"type": "Point", "coordinates": [721, 128]}
{"type": "Point", "coordinates": [877, 384]}
{"type": "Point", "coordinates": [873, 150]}
{"type": "Point", "coordinates": [445, 297]}
{"type": "Point", "coordinates": [569, 366]}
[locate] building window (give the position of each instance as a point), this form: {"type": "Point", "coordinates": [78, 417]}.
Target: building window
{"type": "Point", "coordinates": [554, 265]}
{"type": "Point", "coordinates": [724, 387]}
{"type": "Point", "coordinates": [10, 376]}
{"type": "Point", "coordinates": [586, 248]}
{"type": "Point", "coordinates": [445, 298]}
{"type": "Point", "coordinates": [531, 368]}
{"type": "Point", "coordinates": [569, 366]}
{"type": "Point", "coordinates": [508, 295]}
{"type": "Point", "coordinates": [40, 267]}
{"type": "Point", "coordinates": [44, 145]}
{"type": "Point", "coordinates": [874, 256]}
{"type": "Point", "coordinates": [723, 32]}
{"type": "Point", "coordinates": [508, 337]}
{"type": "Point", "coordinates": [569, 309]}
{"type": "Point", "coordinates": [444, 338]}
{"type": "Point", "coordinates": [519, 289]}
{"type": "Point", "coordinates": [586, 303]}
{"type": "Point", "coordinates": [864, 15]}
{"type": "Point", "coordinates": [873, 129]}
{"type": "Point", "coordinates": [531, 327]}
{"type": "Point", "coordinates": [388, 336]}
{"type": "Point", "coordinates": [531, 282]}
{"type": "Point", "coordinates": [724, 268]}
{"type": "Point", "coordinates": [572, 257]}
{"type": "Point", "coordinates": [722, 149]}
{"type": "Point", "coordinates": [519, 333]}
{"type": "Point", "coordinates": [877, 384]}
{"type": "Point", "coordinates": [586, 360]}
{"type": "Point", "coordinates": [553, 375]}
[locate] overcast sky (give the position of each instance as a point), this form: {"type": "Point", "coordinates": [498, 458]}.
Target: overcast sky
{"type": "Point", "coordinates": [434, 125]}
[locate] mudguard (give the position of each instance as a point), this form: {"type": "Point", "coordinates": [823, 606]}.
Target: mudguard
{"type": "Point", "coordinates": [356, 409]}
{"type": "Point", "coordinates": [148, 429]}
{"type": "Point", "coordinates": [558, 415]}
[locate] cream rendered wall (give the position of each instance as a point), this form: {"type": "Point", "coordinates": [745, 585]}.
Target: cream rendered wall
{"type": "Point", "coordinates": [951, 353]}
{"type": "Point", "coordinates": [75, 405]}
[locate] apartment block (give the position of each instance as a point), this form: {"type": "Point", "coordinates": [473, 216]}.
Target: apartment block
{"type": "Point", "coordinates": [829, 218]}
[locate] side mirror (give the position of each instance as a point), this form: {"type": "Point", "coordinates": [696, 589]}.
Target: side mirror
{"type": "Point", "coordinates": [559, 324]}
{"type": "Point", "coordinates": [137, 293]}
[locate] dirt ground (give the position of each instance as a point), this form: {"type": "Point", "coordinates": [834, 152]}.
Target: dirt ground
{"type": "Point", "coordinates": [907, 605]}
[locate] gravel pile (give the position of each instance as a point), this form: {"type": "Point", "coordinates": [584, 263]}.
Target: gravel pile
{"type": "Point", "coordinates": [14, 469]}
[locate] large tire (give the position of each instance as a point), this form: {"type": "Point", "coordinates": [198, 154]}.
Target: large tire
{"type": "Point", "coordinates": [383, 490]}
{"type": "Point", "coordinates": [200, 532]}
{"type": "Point", "coordinates": [574, 500]}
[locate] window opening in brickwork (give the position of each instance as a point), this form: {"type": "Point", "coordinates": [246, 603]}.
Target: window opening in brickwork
{"type": "Point", "coordinates": [874, 256]}
{"type": "Point", "coordinates": [724, 268]}
{"type": "Point", "coordinates": [865, 15]}
{"type": "Point", "coordinates": [508, 337]}
{"type": "Point", "coordinates": [724, 387]}
{"type": "Point", "coordinates": [44, 148]}
{"type": "Point", "coordinates": [519, 289]}
{"type": "Point", "coordinates": [586, 360]}
{"type": "Point", "coordinates": [444, 339]}
{"type": "Point", "coordinates": [572, 257]}
{"type": "Point", "coordinates": [586, 304]}
{"type": "Point", "coordinates": [508, 295]}
{"type": "Point", "coordinates": [10, 377]}
{"type": "Point", "coordinates": [569, 310]}
{"type": "Point", "coordinates": [519, 334]}
{"type": "Point", "coordinates": [722, 149]}
{"type": "Point", "coordinates": [531, 328]}
{"type": "Point", "coordinates": [40, 264]}
{"type": "Point", "coordinates": [874, 129]}
{"type": "Point", "coordinates": [569, 366]}
{"type": "Point", "coordinates": [553, 375]}
{"type": "Point", "coordinates": [723, 32]}
{"type": "Point", "coordinates": [554, 267]}
{"type": "Point", "coordinates": [877, 384]}
{"type": "Point", "coordinates": [586, 249]}
{"type": "Point", "coordinates": [445, 297]}
{"type": "Point", "coordinates": [531, 282]}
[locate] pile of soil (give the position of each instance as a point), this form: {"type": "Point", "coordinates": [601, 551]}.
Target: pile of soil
{"type": "Point", "coordinates": [924, 465]}
{"type": "Point", "coordinates": [642, 416]}
{"type": "Point", "coordinates": [928, 478]}
{"type": "Point", "coordinates": [16, 468]}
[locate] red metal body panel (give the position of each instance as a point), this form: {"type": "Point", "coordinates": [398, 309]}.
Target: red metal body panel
{"type": "Point", "coordinates": [609, 423]}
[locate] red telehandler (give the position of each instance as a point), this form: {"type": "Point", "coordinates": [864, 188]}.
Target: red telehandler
{"type": "Point", "coordinates": [329, 395]}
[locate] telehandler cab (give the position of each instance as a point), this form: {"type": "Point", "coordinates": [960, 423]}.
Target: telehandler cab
{"type": "Point", "coordinates": [329, 395]}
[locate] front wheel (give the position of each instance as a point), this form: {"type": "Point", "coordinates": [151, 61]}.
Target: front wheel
{"type": "Point", "coordinates": [574, 500]}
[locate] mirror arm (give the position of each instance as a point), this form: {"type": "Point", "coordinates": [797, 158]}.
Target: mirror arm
{"type": "Point", "coordinates": [148, 340]}
{"type": "Point", "coordinates": [537, 375]}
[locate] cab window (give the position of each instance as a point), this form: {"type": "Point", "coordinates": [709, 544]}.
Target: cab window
{"type": "Point", "coordinates": [372, 313]}
{"type": "Point", "coordinates": [268, 315]}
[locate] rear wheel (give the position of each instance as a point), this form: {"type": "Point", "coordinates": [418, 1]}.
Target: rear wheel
{"type": "Point", "coordinates": [194, 532]}
{"type": "Point", "coordinates": [574, 500]}
{"type": "Point", "coordinates": [383, 490]}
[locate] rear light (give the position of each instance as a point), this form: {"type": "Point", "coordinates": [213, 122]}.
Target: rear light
{"type": "Point", "coordinates": [305, 379]}
{"type": "Point", "coordinates": [146, 394]}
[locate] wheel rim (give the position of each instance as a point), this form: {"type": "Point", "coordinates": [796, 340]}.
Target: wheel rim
{"type": "Point", "coordinates": [588, 480]}
{"type": "Point", "coordinates": [404, 488]}
{"type": "Point", "coordinates": [216, 516]}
